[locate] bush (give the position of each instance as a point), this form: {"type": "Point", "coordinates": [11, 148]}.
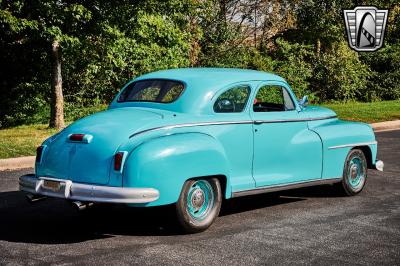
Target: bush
{"type": "Point", "coordinates": [293, 62]}
{"type": "Point", "coordinates": [238, 57]}
{"type": "Point", "coordinates": [340, 75]}
{"type": "Point", "coordinates": [383, 82]}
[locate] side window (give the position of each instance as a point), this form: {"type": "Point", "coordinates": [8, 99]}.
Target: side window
{"type": "Point", "coordinates": [233, 100]}
{"type": "Point", "coordinates": [272, 98]}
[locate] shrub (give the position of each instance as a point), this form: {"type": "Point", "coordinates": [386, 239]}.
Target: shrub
{"type": "Point", "coordinates": [293, 62]}
{"type": "Point", "coordinates": [340, 75]}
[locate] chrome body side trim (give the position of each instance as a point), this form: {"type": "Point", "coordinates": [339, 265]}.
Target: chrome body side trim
{"type": "Point", "coordinates": [191, 125]}
{"type": "Point", "coordinates": [353, 144]}
{"type": "Point", "coordinates": [294, 120]}
{"type": "Point", "coordinates": [228, 123]}
{"type": "Point", "coordinates": [286, 187]}
{"type": "Point", "coordinates": [85, 192]}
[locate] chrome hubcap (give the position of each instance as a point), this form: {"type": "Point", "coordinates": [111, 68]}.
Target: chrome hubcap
{"type": "Point", "coordinates": [200, 199]}
{"type": "Point", "coordinates": [354, 171]}
{"type": "Point", "coordinates": [197, 199]}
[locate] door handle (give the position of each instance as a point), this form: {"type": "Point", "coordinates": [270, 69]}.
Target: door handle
{"type": "Point", "coordinates": [258, 122]}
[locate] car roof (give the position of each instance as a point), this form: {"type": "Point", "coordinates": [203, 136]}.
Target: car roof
{"type": "Point", "coordinates": [201, 85]}
{"type": "Point", "coordinates": [214, 76]}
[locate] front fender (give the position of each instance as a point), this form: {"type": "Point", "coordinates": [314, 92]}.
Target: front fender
{"type": "Point", "coordinates": [166, 162]}
{"type": "Point", "coordinates": [338, 138]}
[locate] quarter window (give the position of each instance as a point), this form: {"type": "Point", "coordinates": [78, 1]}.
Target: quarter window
{"type": "Point", "coordinates": [272, 98]}
{"type": "Point", "coordinates": [233, 100]}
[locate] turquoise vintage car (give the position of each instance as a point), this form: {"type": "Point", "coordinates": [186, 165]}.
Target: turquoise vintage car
{"type": "Point", "coordinates": [193, 137]}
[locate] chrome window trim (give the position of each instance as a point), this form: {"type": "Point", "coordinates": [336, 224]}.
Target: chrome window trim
{"type": "Point", "coordinates": [274, 188]}
{"type": "Point", "coordinates": [353, 144]}
{"type": "Point", "coordinates": [199, 124]}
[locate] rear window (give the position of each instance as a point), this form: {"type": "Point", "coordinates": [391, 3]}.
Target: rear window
{"type": "Point", "coordinates": [152, 90]}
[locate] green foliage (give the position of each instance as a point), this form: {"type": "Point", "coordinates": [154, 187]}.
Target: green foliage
{"type": "Point", "coordinates": [237, 96]}
{"type": "Point", "coordinates": [74, 112]}
{"type": "Point", "coordinates": [322, 21]}
{"type": "Point", "coordinates": [107, 43]}
{"type": "Point", "coordinates": [239, 57]}
{"type": "Point", "coordinates": [294, 62]}
{"type": "Point", "coordinates": [340, 75]}
{"type": "Point", "coordinates": [383, 82]}
{"type": "Point", "coordinates": [270, 94]}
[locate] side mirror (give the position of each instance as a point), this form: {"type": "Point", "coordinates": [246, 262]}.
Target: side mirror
{"type": "Point", "coordinates": [303, 102]}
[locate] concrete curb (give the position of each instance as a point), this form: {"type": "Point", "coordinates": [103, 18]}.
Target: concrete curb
{"type": "Point", "coordinates": [17, 163]}
{"type": "Point", "coordinates": [29, 161]}
{"type": "Point", "coordinates": [388, 125]}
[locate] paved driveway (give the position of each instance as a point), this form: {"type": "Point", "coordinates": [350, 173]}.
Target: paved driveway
{"type": "Point", "coordinates": [304, 226]}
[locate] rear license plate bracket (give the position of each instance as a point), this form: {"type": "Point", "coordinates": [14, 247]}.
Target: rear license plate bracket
{"type": "Point", "coordinates": [52, 185]}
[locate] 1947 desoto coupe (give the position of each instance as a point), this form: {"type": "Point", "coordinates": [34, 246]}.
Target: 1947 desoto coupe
{"type": "Point", "coordinates": [193, 137]}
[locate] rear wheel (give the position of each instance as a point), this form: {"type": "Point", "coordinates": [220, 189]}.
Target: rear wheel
{"type": "Point", "coordinates": [199, 204]}
{"type": "Point", "coordinates": [354, 173]}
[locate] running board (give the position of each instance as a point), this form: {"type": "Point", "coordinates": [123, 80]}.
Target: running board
{"type": "Point", "coordinates": [286, 187]}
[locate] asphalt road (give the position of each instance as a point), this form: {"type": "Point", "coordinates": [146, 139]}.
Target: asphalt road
{"type": "Point", "coordinates": [304, 226]}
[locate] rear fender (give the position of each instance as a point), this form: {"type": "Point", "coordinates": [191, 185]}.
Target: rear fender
{"type": "Point", "coordinates": [166, 162]}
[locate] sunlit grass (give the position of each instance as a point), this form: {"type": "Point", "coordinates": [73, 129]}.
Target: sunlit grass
{"type": "Point", "coordinates": [367, 112]}
{"type": "Point", "coordinates": [22, 140]}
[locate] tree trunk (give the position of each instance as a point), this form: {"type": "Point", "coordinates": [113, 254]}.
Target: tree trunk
{"type": "Point", "coordinates": [318, 48]}
{"type": "Point", "coordinates": [255, 23]}
{"type": "Point", "coordinates": [57, 98]}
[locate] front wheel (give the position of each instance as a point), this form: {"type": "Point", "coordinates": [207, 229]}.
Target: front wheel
{"type": "Point", "coordinates": [199, 204]}
{"type": "Point", "coordinates": [354, 173]}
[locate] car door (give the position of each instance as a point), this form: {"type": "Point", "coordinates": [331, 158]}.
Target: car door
{"type": "Point", "coordinates": [232, 105]}
{"type": "Point", "coordinates": [285, 150]}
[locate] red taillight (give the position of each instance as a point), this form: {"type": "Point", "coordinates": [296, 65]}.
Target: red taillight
{"type": "Point", "coordinates": [76, 137]}
{"type": "Point", "coordinates": [39, 152]}
{"type": "Point", "coordinates": [118, 157]}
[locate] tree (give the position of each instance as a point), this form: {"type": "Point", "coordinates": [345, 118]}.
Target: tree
{"type": "Point", "coordinates": [82, 52]}
{"type": "Point", "coordinates": [54, 24]}
{"type": "Point", "coordinates": [57, 98]}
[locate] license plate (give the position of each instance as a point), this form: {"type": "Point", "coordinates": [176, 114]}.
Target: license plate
{"type": "Point", "coordinates": [52, 185]}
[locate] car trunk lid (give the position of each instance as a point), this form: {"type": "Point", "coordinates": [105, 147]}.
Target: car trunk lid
{"type": "Point", "coordinates": [90, 160]}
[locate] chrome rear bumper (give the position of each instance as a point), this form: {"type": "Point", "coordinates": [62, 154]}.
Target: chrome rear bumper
{"type": "Point", "coordinates": [86, 192]}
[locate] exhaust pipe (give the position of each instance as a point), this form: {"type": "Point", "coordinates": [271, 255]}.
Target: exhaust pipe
{"type": "Point", "coordinates": [80, 206]}
{"type": "Point", "coordinates": [31, 198]}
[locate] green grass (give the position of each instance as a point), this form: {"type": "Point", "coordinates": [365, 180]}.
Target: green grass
{"type": "Point", "coordinates": [367, 112]}
{"type": "Point", "coordinates": [23, 140]}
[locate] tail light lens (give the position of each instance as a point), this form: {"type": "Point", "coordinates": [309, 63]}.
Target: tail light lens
{"type": "Point", "coordinates": [82, 138]}
{"type": "Point", "coordinates": [119, 160]}
{"type": "Point", "coordinates": [39, 153]}
{"type": "Point", "coordinates": [76, 137]}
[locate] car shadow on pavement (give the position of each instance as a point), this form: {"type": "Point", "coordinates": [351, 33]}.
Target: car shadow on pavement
{"type": "Point", "coordinates": [248, 203]}
{"type": "Point", "coordinates": [54, 221]}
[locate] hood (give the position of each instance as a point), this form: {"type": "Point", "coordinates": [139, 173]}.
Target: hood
{"type": "Point", "coordinates": [91, 162]}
